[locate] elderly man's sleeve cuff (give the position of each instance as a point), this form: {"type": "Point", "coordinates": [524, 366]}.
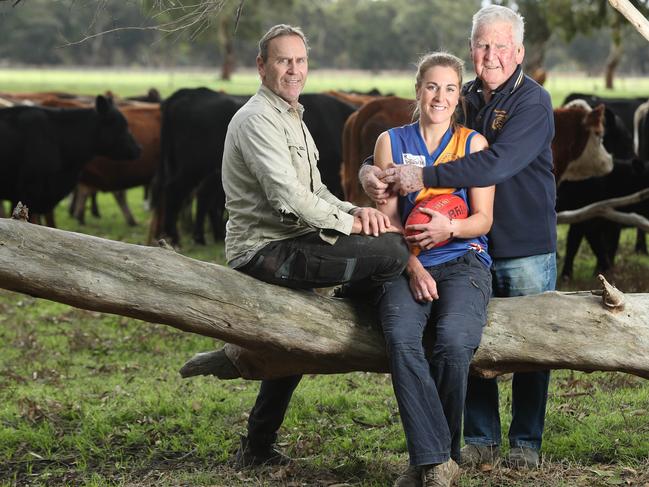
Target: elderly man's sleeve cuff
{"type": "Point", "coordinates": [430, 177]}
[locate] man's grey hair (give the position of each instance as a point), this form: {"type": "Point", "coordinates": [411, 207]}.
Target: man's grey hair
{"type": "Point", "coordinates": [497, 13]}
{"type": "Point", "coordinates": [277, 31]}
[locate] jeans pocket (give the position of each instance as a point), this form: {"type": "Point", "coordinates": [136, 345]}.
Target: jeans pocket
{"type": "Point", "coordinates": [337, 270]}
{"type": "Point", "coordinates": [294, 267]}
{"type": "Point", "coordinates": [484, 286]}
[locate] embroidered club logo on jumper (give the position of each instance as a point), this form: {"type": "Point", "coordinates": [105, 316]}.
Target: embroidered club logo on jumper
{"type": "Point", "coordinates": [500, 117]}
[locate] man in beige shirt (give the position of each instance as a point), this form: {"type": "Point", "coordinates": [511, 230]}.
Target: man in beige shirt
{"type": "Point", "coordinates": [284, 225]}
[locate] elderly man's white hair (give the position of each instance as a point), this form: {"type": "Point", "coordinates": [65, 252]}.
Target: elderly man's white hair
{"type": "Point", "coordinates": [498, 13]}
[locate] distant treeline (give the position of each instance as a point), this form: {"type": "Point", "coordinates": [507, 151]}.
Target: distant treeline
{"type": "Point", "coordinates": [360, 34]}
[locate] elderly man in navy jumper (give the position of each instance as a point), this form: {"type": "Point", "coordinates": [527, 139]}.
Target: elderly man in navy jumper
{"type": "Point", "coordinates": [515, 115]}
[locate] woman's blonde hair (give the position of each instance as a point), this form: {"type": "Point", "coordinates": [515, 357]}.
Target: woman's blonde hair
{"type": "Point", "coordinates": [444, 59]}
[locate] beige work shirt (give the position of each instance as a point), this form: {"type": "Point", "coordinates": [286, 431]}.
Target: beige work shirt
{"type": "Point", "coordinates": [272, 185]}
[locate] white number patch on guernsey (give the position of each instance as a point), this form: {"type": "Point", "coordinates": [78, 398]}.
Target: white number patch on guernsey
{"type": "Point", "coordinates": [412, 159]}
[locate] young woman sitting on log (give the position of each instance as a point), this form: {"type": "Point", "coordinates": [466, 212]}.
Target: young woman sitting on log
{"type": "Point", "coordinates": [447, 283]}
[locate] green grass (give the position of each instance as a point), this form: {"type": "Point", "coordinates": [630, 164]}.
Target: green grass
{"type": "Point", "coordinates": [96, 400]}
{"type": "Point", "coordinates": [127, 83]}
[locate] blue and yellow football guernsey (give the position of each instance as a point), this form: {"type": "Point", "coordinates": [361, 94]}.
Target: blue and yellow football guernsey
{"type": "Point", "coordinates": [408, 147]}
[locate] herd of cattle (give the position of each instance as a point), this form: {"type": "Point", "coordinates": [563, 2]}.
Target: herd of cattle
{"type": "Point", "coordinates": [53, 144]}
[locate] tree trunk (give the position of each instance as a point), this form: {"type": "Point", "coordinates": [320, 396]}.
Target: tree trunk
{"type": "Point", "coordinates": [227, 48]}
{"type": "Point", "coordinates": [615, 53]}
{"type": "Point", "coordinates": [280, 331]}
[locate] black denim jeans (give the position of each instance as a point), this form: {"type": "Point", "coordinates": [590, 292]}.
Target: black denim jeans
{"type": "Point", "coordinates": [308, 262]}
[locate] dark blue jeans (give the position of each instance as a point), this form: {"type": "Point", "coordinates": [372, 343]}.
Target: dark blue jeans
{"type": "Point", "coordinates": [513, 277]}
{"type": "Point", "coordinates": [307, 262]}
{"type": "Point", "coordinates": [430, 388]}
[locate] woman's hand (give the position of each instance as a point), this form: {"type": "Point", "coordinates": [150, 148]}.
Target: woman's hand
{"type": "Point", "coordinates": [422, 284]}
{"type": "Point", "coordinates": [438, 229]}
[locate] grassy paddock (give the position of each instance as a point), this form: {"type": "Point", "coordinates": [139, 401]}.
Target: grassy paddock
{"type": "Point", "coordinates": [401, 83]}
{"type": "Point", "coordinates": [94, 399]}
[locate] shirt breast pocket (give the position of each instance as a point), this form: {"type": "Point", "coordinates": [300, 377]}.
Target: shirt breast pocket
{"type": "Point", "coordinates": [298, 158]}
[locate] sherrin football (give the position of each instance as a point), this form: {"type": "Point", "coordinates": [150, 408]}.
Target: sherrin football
{"type": "Point", "coordinates": [449, 205]}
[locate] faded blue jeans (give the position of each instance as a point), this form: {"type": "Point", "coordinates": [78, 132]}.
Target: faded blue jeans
{"type": "Point", "coordinates": [430, 381]}
{"type": "Point", "coordinates": [513, 277]}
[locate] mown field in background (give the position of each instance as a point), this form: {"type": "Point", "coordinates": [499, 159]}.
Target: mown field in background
{"type": "Point", "coordinates": [128, 83]}
{"type": "Point", "coordinates": [94, 399]}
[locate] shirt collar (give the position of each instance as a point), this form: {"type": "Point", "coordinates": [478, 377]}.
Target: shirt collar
{"type": "Point", "coordinates": [278, 102]}
{"type": "Point", "coordinates": [514, 81]}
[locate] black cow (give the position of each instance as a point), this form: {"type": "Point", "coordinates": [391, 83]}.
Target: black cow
{"type": "Point", "coordinates": [42, 150]}
{"type": "Point", "coordinates": [628, 176]}
{"type": "Point", "coordinates": [194, 124]}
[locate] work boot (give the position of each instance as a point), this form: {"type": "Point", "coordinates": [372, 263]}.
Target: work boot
{"type": "Point", "coordinates": [442, 475]}
{"type": "Point", "coordinates": [411, 477]}
{"type": "Point", "coordinates": [473, 455]}
{"type": "Point", "coordinates": [249, 455]}
{"type": "Point", "coordinates": [522, 457]}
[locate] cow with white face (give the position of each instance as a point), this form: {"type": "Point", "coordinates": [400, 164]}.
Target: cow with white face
{"type": "Point", "coordinates": [577, 148]}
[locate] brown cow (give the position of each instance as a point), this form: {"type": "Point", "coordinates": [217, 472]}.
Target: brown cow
{"type": "Point", "coordinates": [539, 75]}
{"type": "Point", "coordinates": [361, 130]}
{"type": "Point", "coordinates": [577, 149]}
{"type": "Point", "coordinates": [37, 98]}
{"type": "Point", "coordinates": [102, 174]}
{"type": "Point", "coordinates": [355, 99]}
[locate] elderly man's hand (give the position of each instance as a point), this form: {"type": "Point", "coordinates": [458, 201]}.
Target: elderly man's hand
{"type": "Point", "coordinates": [376, 189]}
{"type": "Point", "coordinates": [404, 178]}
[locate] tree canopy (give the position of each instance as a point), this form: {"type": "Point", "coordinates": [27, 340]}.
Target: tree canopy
{"type": "Point", "coordinates": [364, 34]}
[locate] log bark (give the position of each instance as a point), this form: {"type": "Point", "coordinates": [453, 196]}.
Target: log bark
{"type": "Point", "coordinates": [276, 331]}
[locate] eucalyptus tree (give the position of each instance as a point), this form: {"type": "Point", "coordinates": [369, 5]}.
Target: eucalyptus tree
{"type": "Point", "coordinates": [571, 18]}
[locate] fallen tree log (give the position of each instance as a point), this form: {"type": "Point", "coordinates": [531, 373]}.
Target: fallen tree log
{"type": "Point", "coordinates": [277, 331]}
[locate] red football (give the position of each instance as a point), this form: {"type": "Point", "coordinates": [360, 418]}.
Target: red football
{"type": "Point", "coordinates": [449, 205]}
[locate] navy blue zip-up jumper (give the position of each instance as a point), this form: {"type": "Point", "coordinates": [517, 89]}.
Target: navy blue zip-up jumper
{"type": "Point", "coordinates": [518, 122]}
